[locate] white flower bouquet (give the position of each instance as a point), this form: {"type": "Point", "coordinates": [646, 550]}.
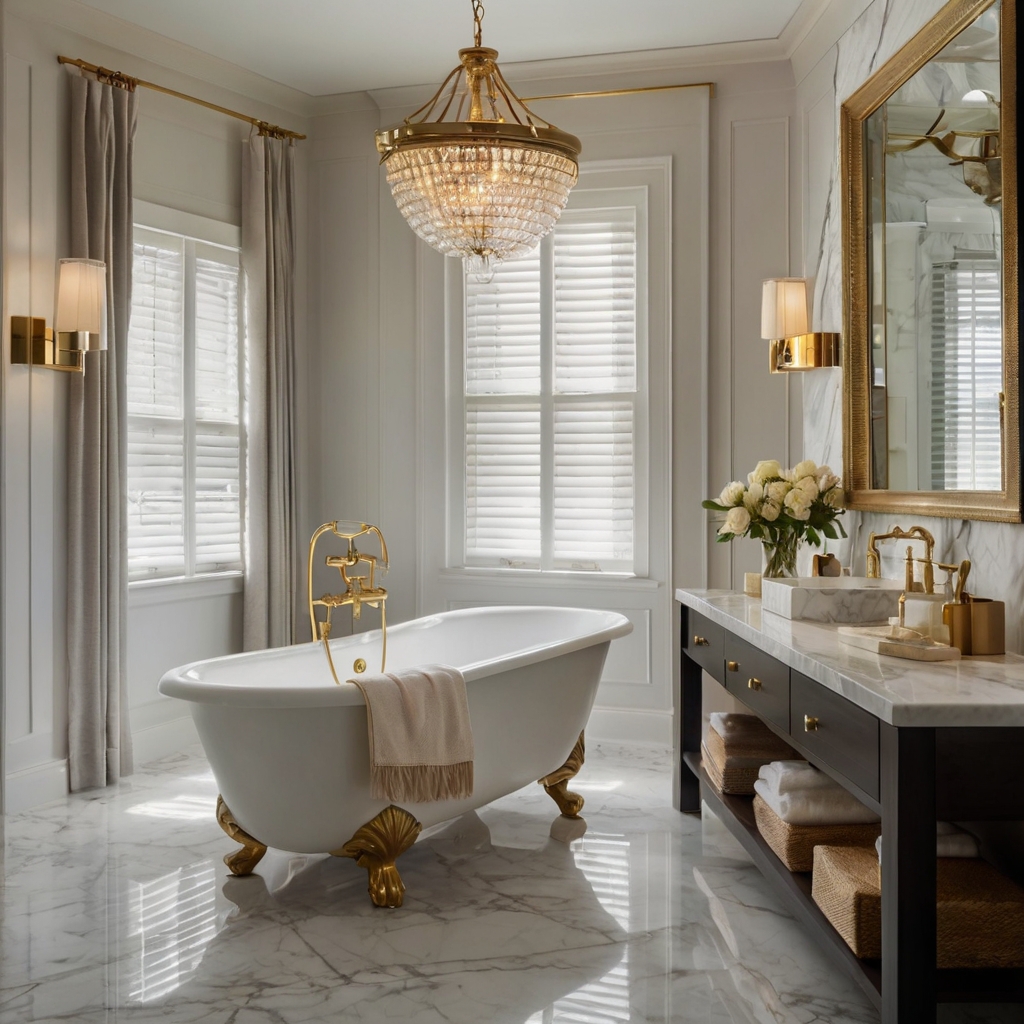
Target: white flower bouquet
{"type": "Point", "coordinates": [780, 508]}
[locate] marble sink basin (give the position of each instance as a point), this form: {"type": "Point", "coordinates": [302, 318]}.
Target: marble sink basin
{"type": "Point", "coordinates": [832, 598]}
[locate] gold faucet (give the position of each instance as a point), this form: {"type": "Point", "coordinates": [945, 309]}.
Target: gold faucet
{"type": "Point", "coordinates": [359, 589]}
{"type": "Point", "coordinates": [874, 562]}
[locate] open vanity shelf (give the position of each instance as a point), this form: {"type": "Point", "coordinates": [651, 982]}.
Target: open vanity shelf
{"type": "Point", "coordinates": [916, 742]}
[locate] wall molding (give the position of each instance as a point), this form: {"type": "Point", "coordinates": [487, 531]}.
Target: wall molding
{"type": "Point", "coordinates": [152, 742]}
{"type": "Point", "coordinates": [629, 725]}
{"type": "Point", "coordinates": [34, 786]}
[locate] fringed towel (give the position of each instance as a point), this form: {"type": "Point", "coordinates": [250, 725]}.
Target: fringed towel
{"type": "Point", "coordinates": [421, 740]}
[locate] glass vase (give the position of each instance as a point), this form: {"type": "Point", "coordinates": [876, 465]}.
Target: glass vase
{"type": "Point", "coordinates": [780, 556]}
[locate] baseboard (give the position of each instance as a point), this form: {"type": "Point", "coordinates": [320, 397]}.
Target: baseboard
{"type": "Point", "coordinates": [629, 725]}
{"type": "Point", "coordinates": [155, 741]}
{"type": "Point", "coordinates": [37, 785]}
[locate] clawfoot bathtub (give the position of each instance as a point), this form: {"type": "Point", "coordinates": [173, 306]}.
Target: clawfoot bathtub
{"type": "Point", "coordinates": [289, 747]}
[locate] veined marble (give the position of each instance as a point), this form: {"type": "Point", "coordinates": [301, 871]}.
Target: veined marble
{"type": "Point", "coordinates": [823, 599]}
{"type": "Point", "coordinates": [985, 691]}
{"type": "Point", "coordinates": [117, 908]}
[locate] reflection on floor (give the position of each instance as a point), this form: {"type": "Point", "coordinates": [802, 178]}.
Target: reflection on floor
{"type": "Point", "coordinates": [116, 907]}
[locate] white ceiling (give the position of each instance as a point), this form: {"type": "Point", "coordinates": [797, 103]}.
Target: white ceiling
{"type": "Point", "coordinates": [329, 46]}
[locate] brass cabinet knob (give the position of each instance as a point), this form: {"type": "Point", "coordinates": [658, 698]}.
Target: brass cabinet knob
{"type": "Point", "coordinates": [753, 684]}
{"type": "Point", "coordinates": [810, 723]}
{"type": "Point", "coordinates": [701, 641]}
{"type": "Point", "coordinates": [732, 666]}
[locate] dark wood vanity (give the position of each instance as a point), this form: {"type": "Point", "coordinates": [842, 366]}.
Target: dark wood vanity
{"type": "Point", "coordinates": [892, 742]}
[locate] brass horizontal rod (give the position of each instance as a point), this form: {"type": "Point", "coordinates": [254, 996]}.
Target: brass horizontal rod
{"type": "Point", "coordinates": [710, 86]}
{"type": "Point", "coordinates": [265, 127]}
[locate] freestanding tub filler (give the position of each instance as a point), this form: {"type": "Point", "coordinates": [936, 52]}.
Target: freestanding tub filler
{"type": "Point", "coordinates": [289, 747]}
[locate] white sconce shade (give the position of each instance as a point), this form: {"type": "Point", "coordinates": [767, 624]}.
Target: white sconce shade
{"type": "Point", "coordinates": [783, 308]}
{"type": "Point", "coordinates": [81, 297]}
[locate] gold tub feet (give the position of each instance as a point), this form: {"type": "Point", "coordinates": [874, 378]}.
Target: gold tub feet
{"type": "Point", "coordinates": [376, 846]}
{"type": "Point", "coordinates": [556, 784]}
{"type": "Point", "coordinates": [241, 862]}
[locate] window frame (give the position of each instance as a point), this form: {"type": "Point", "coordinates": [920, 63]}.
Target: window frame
{"type": "Point", "coordinates": [198, 235]}
{"type": "Point", "coordinates": [631, 191]}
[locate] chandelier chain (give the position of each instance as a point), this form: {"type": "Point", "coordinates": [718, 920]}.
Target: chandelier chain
{"type": "Point", "coordinates": [478, 17]}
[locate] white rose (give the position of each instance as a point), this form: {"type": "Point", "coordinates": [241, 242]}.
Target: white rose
{"type": "Point", "coordinates": [798, 504]}
{"type": "Point", "coordinates": [827, 480]}
{"type": "Point", "coordinates": [753, 496]}
{"type": "Point", "coordinates": [806, 468]}
{"type": "Point", "coordinates": [834, 496]}
{"type": "Point", "coordinates": [807, 486]}
{"type": "Point", "coordinates": [770, 510]}
{"type": "Point", "coordinates": [765, 470]}
{"type": "Point", "coordinates": [732, 494]}
{"type": "Point", "coordinates": [778, 489]}
{"type": "Point", "coordinates": [737, 521]}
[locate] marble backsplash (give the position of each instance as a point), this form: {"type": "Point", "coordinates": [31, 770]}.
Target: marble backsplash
{"type": "Point", "coordinates": [996, 550]}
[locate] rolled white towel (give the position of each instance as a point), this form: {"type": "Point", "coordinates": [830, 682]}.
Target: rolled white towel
{"type": "Point", "coordinates": [832, 806]}
{"type": "Point", "coordinates": [794, 776]}
{"type": "Point", "coordinates": [950, 841]}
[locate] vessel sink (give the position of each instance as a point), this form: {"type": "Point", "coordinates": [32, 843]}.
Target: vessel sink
{"type": "Point", "coordinates": [832, 598]}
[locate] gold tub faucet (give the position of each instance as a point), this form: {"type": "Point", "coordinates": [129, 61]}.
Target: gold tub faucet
{"type": "Point", "coordinates": [874, 562]}
{"type": "Point", "coordinates": [359, 589]}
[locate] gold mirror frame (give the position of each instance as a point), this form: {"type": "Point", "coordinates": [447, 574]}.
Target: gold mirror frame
{"type": "Point", "coordinates": [1001, 505]}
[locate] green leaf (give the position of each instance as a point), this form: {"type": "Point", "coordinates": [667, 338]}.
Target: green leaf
{"type": "Point", "coordinates": [714, 505]}
{"type": "Point", "coordinates": [830, 531]}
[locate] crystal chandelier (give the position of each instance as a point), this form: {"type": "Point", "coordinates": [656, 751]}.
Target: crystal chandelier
{"type": "Point", "coordinates": [487, 188]}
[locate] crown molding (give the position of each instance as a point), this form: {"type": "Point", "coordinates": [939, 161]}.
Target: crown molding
{"type": "Point", "coordinates": [832, 21]}
{"type": "Point", "coordinates": [131, 47]}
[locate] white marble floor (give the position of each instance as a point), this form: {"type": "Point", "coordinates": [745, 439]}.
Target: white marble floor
{"type": "Point", "coordinates": [116, 907]}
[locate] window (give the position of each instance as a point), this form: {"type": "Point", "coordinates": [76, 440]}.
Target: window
{"type": "Point", "coordinates": [184, 404]}
{"type": "Point", "coordinates": [553, 418]}
{"type": "Point", "coordinates": [967, 375]}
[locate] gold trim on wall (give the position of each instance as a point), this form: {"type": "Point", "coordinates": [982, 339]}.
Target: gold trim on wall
{"type": "Point", "coordinates": [1001, 505]}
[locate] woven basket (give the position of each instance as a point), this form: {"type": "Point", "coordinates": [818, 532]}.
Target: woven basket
{"type": "Point", "coordinates": [980, 913]}
{"type": "Point", "coordinates": [736, 776]}
{"type": "Point", "coordinates": [794, 844]}
{"type": "Point", "coordinates": [734, 769]}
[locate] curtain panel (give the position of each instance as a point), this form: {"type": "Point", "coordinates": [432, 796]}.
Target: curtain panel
{"type": "Point", "coordinates": [103, 122]}
{"type": "Point", "coordinates": [268, 263]}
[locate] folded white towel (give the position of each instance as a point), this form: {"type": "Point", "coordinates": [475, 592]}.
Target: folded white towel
{"type": "Point", "coordinates": [794, 776]}
{"type": "Point", "coordinates": [950, 841]}
{"type": "Point", "coordinates": [823, 806]}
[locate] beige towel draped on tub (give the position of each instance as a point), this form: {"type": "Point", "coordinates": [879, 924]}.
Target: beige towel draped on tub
{"type": "Point", "coordinates": [421, 740]}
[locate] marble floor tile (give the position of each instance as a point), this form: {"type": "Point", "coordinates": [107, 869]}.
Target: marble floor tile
{"type": "Point", "coordinates": [116, 908]}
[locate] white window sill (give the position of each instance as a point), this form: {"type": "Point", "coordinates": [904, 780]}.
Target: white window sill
{"type": "Point", "coordinates": [183, 588]}
{"type": "Point", "coordinates": [470, 575]}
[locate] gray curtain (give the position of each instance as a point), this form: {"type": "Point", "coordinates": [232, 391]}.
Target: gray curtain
{"type": "Point", "coordinates": [103, 122]}
{"type": "Point", "coordinates": [268, 261]}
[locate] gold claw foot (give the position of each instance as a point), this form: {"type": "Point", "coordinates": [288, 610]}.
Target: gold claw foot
{"type": "Point", "coordinates": [376, 845]}
{"type": "Point", "coordinates": [556, 784]}
{"type": "Point", "coordinates": [241, 862]}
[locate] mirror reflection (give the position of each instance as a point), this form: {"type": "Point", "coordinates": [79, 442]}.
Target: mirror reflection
{"type": "Point", "coordinates": [933, 213]}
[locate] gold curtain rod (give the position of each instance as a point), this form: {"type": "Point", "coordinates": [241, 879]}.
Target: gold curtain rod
{"type": "Point", "coordinates": [710, 86]}
{"type": "Point", "coordinates": [128, 82]}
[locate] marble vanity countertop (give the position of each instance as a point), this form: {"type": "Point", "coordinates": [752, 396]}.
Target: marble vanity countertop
{"type": "Point", "coordinates": [983, 691]}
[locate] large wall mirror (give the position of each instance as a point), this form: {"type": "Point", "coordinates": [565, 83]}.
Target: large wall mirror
{"type": "Point", "coordinates": [931, 404]}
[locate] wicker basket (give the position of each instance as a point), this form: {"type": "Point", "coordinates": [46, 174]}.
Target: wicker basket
{"type": "Point", "coordinates": [735, 769]}
{"type": "Point", "coordinates": [794, 844]}
{"type": "Point", "coordinates": [736, 776]}
{"type": "Point", "coordinates": [980, 913]}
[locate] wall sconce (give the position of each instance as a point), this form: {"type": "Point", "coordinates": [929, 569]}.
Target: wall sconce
{"type": "Point", "coordinates": [784, 323]}
{"type": "Point", "coordinates": [78, 326]}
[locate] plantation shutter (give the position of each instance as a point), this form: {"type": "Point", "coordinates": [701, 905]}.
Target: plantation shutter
{"type": "Point", "coordinates": [156, 435]}
{"type": "Point", "coordinates": [218, 537]}
{"type": "Point", "coordinates": [184, 444]}
{"type": "Point", "coordinates": [551, 372]}
{"type": "Point", "coordinates": [967, 375]}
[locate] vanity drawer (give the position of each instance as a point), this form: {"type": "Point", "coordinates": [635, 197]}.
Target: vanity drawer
{"type": "Point", "coordinates": [704, 642]}
{"type": "Point", "coordinates": [834, 729]}
{"type": "Point", "coordinates": [758, 680]}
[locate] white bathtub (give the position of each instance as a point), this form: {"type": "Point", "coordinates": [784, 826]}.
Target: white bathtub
{"type": "Point", "coordinates": [288, 746]}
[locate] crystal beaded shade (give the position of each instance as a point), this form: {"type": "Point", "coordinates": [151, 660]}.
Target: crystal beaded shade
{"type": "Point", "coordinates": [487, 188]}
